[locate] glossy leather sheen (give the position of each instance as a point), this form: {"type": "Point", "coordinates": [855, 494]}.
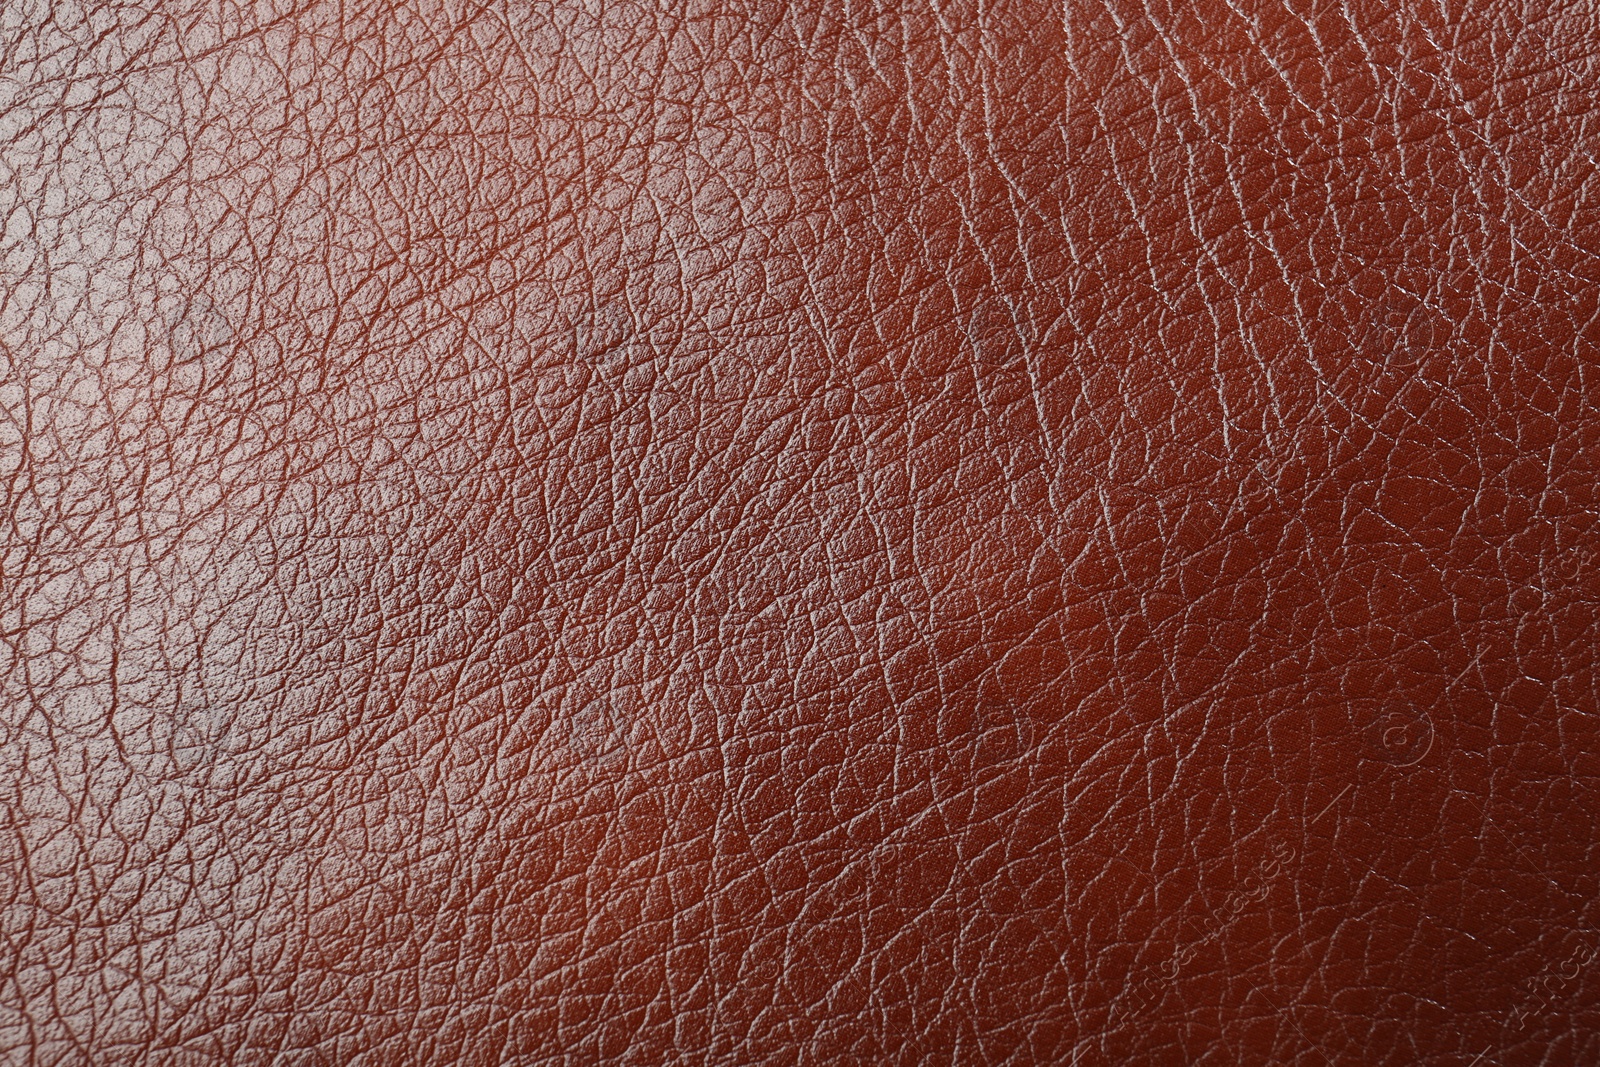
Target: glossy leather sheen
{"type": "Point", "coordinates": [820, 533]}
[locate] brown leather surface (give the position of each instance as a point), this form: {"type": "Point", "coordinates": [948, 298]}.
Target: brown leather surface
{"type": "Point", "coordinates": [833, 533]}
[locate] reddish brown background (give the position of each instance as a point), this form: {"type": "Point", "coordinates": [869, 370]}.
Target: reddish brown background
{"type": "Point", "coordinates": [755, 533]}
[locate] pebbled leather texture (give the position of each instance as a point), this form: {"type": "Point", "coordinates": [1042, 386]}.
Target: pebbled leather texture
{"type": "Point", "coordinates": [734, 532]}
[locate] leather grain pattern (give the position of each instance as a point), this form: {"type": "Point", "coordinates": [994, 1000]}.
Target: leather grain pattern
{"type": "Point", "coordinates": [740, 532]}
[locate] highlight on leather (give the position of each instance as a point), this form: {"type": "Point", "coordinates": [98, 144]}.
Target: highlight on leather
{"type": "Point", "coordinates": [737, 532]}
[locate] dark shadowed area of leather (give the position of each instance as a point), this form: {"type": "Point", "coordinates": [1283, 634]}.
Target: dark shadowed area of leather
{"type": "Point", "coordinates": [822, 533]}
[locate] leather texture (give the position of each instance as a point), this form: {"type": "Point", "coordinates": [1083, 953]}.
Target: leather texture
{"type": "Point", "coordinates": [735, 532]}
